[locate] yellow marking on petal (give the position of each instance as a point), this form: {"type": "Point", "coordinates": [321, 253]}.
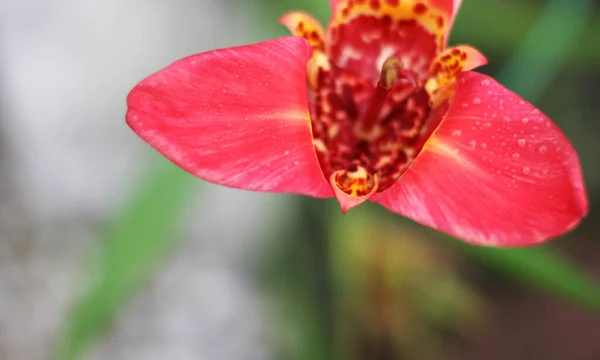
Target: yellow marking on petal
{"type": "Point", "coordinates": [304, 25]}
{"type": "Point", "coordinates": [452, 61]}
{"type": "Point", "coordinates": [356, 183]}
{"type": "Point", "coordinates": [431, 18]}
{"type": "Point", "coordinates": [442, 148]}
{"type": "Point", "coordinates": [319, 61]}
{"type": "Point", "coordinates": [444, 69]}
{"type": "Point", "coordinates": [300, 116]}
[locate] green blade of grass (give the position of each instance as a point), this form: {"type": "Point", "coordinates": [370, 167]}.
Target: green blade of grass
{"type": "Point", "coordinates": [546, 47]}
{"type": "Point", "coordinates": [131, 250]}
{"type": "Point", "coordinates": [544, 268]}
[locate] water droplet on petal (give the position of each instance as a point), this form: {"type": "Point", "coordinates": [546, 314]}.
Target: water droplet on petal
{"type": "Point", "coordinates": [473, 143]}
{"type": "Point", "coordinates": [506, 119]}
{"type": "Point", "coordinates": [286, 153]}
{"type": "Point", "coordinates": [522, 142]}
{"type": "Point", "coordinates": [487, 124]}
{"type": "Point", "coordinates": [525, 120]}
{"type": "Point", "coordinates": [516, 156]}
{"type": "Point", "coordinates": [456, 132]}
{"type": "Point", "coordinates": [464, 105]}
{"type": "Point", "coordinates": [476, 101]}
{"type": "Point", "coordinates": [535, 112]}
{"type": "Point", "coordinates": [485, 82]}
{"type": "Point", "coordinates": [526, 170]}
{"type": "Point", "coordinates": [483, 145]}
{"type": "Point", "coordinates": [543, 149]}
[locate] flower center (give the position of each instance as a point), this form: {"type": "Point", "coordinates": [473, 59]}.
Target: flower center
{"type": "Point", "coordinates": [368, 135]}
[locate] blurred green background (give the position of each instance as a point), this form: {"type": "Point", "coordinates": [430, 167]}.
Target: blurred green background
{"type": "Point", "coordinates": [109, 252]}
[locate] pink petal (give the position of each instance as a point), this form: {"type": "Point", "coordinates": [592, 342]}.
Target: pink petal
{"type": "Point", "coordinates": [345, 200]}
{"type": "Point", "coordinates": [451, 8]}
{"type": "Point", "coordinates": [333, 4]}
{"type": "Point", "coordinates": [302, 24]}
{"type": "Point", "coordinates": [495, 172]}
{"type": "Point", "coordinates": [236, 117]}
{"type": "Point", "coordinates": [362, 34]}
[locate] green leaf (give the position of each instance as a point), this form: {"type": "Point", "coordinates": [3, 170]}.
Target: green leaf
{"type": "Point", "coordinates": [544, 268]}
{"type": "Point", "coordinates": [546, 47]}
{"type": "Point", "coordinates": [131, 251]}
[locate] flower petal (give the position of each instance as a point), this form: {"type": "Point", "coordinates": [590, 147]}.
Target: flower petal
{"type": "Point", "coordinates": [303, 25]}
{"type": "Point", "coordinates": [453, 60]}
{"type": "Point", "coordinates": [495, 172]}
{"type": "Point", "coordinates": [236, 117]}
{"type": "Point", "coordinates": [450, 7]}
{"type": "Point", "coordinates": [446, 67]}
{"type": "Point", "coordinates": [360, 191]}
{"type": "Point", "coordinates": [363, 34]}
{"type": "Point", "coordinates": [333, 4]}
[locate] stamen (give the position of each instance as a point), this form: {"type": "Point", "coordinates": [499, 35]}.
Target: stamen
{"type": "Point", "coordinates": [392, 74]}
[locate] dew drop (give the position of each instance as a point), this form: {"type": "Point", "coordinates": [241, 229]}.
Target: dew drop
{"type": "Point", "coordinates": [516, 156]}
{"type": "Point", "coordinates": [525, 120]}
{"type": "Point", "coordinates": [464, 105]}
{"type": "Point", "coordinates": [485, 82]}
{"type": "Point", "coordinates": [521, 102]}
{"type": "Point", "coordinates": [473, 143]}
{"type": "Point", "coordinates": [457, 133]}
{"type": "Point", "coordinates": [476, 101]}
{"type": "Point", "coordinates": [296, 162]}
{"type": "Point", "coordinates": [487, 124]}
{"type": "Point", "coordinates": [526, 170]}
{"type": "Point", "coordinates": [506, 119]}
{"type": "Point", "coordinates": [535, 112]}
{"type": "Point", "coordinates": [286, 153]}
{"type": "Point", "coordinates": [483, 145]}
{"type": "Point", "coordinates": [522, 143]}
{"type": "Point", "coordinates": [543, 149]}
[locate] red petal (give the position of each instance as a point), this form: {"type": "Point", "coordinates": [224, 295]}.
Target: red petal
{"type": "Point", "coordinates": [363, 34]}
{"type": "Point", "coordinates": [304, 25]}
{"type": "Point", "coordinates": [450, 7]}
{"type": "Point", "coordinates": [495, 172]}
{"type": "Point", "coordinates": [346, 200]}
{"type": "Point", "coordinates": [453, 60]}
{"type": "Point", "coordinates": [446, 66]}
{"type": "Point", "coordinates": [236, 117]}
{"type": "Point", "coordinates": [333, 4]}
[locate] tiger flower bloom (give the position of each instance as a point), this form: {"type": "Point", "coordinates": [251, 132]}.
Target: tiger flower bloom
{"type": "Point", "coordinates": [374, 107]}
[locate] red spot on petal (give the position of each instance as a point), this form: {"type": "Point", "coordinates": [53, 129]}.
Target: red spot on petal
{"type": "Point", "coordinates": [440, 22]}
{"type": "Point", "coordinates": [420, 8]}
{"type": "Point", "coordinates": [375, 4]}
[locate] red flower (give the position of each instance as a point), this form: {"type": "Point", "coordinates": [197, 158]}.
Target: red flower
{"type": "Point", "coordinates": [376, 107]}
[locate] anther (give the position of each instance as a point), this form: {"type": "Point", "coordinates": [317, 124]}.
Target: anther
{"type": "Point", "coordinates": [392, 74]}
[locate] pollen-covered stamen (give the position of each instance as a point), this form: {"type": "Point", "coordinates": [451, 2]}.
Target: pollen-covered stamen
{"type": "Point", "coordinates": [392, 73]}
